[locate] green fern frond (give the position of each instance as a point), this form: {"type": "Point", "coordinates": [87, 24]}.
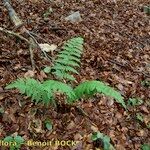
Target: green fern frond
{"type": "Point", "coordinates": [31, 88]}
{"type": "Point", "coordinates": [92, 87]}
{"type": "Point", "coordinates": [42, 92]}
{"type": "Point", "coordinates": [68, 59]}
{"type": "Point", "coordinates": [56, 86]}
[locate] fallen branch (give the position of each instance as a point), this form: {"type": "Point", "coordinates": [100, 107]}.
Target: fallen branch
{"type": "Point", "coordinates": [128, 66]}
{"type": "Point", "coordinates": [39, 37]}
{"type": "Point", "coordinates": [13, 15]}
{"type": "Point", "coordinates": [19, 24]}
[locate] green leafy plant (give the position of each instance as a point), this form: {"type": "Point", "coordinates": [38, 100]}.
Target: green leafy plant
{"type": "Point", "coordinates": [140, 117]}
{"type": "Point", "coordinates": [68, 59]}
{"type": "Point", "coordinates": [146, 83]}
{"type": "Point", "coordinates": [92, 87]}
{"type": "Point", "coordinates": [2, 110]}
{"type": "Point", "coordinates": [104, 138]}
{"type": "Point", "coordinates": [48, 12]}
{"type": "Point", "coordinates": [63, 67]}
{"type": "Point", "coordinates": [146, 9]}
{"type": "Point", "coordinates": [46, 90]}
{"type": "Point", "coordinates": [145, 147]}
{"type": "Point", "coordinates": [48, 124]}
{"type": "Point", "coordinates": [134, 101]}
{"type": "Point", "coordinates": [14, 142]}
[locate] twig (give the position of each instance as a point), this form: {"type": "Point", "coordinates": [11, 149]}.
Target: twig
{"type": "Point", "coordinates": [39, 37]}
{"type": "Point", "coordinates": [134, 71]}
{"type": "Point", "coordinates": [14, 34]}
{"type": "Point", "coordinates": [31, 53]}
{"type": "Point", "coordinates": [82, 111]}
{"type": "Point", "coordinates": [117, 63]}
{"type": "Point", "coordinates": [143, 73]}
{"type": "Point", "coordinates": [37, 44]}
{"type": "Point", "coordinates": [18, 23]}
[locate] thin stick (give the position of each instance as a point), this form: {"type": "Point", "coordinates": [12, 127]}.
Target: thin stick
{"type": "Point", "coordinates": [39, 37]}
{"type": "Point", "coordinates": [19, 23]}
{"type": "Point", "coordinates": [14, 34]}
{"type": "Point", "coordinates": [36, 42]}
{"type": "Point", "coordinates": [31, 53]}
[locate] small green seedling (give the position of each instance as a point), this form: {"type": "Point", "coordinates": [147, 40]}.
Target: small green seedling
{"type": "Point", "coordinates": [139, 117]}
{"type": "Point", "coordinates": [134, 101]}
{"type": "Point", "coordinates": [47, 69]}
{"type": "Point", "coordinates": [48, 124]}
{"type": "Point", "coordinates": [146, 9]}
{"type": "Point", "coordinates": [104, 138]}
{"type": "Point", "coordinates": [1, 110]}
{"type": "Point", "coordinates": [48, 12]}
{"type": "Point", "coordinates": [146, 83]}
{"type": "Point", "coordinates": [14, 142]}
{"type": "Point", "coordinates": [145, 147]}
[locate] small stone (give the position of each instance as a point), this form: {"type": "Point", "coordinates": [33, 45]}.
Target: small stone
{"type": "Point", "coordinates": [110, 102]}
{"type": "Point", "coordinates": [74, 17]}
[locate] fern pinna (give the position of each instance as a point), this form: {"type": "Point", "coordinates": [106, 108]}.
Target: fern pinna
{"type": "Point", "coordinates": [68, 59]}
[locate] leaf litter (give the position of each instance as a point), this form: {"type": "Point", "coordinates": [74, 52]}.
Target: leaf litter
{"type": "Point", "coordinates": [116, 50]}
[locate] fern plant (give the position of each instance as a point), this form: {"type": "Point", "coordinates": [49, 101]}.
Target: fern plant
{"type": "Point", "coordinates": [46, 90]}
{"type": "Point", "coordinates": [63, 67]}
{"type": "Point", "coordinates": [98, 136]}
{"type": "Point", "coordinates": [15, 142]}
{"type": "Point", "coordinates": [68, 59]}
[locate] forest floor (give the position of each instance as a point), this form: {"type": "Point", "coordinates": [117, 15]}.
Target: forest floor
{"type": "Point", "coordinates": [116, 51]}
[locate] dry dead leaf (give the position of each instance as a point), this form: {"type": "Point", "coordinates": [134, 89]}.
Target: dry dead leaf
{"type": "Point", "coordinates": [29, 74]}
{"type": "Point", "coordinates": [48, 48]}
{"type": "Point", "coordinates": [78, 137]}
{"type": "Point", "coordinates": [144, 109]}
{"type": "Point", "coordinates": [35, 125]}
{"type": "Point", "coordinates": [2, 96]}
{"type": "Point", "coordinates": [94, 129]}
{"type": "Point", "coordinates": [71, 125]}
{"type": "Point", "coordinates": [141, 133]}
